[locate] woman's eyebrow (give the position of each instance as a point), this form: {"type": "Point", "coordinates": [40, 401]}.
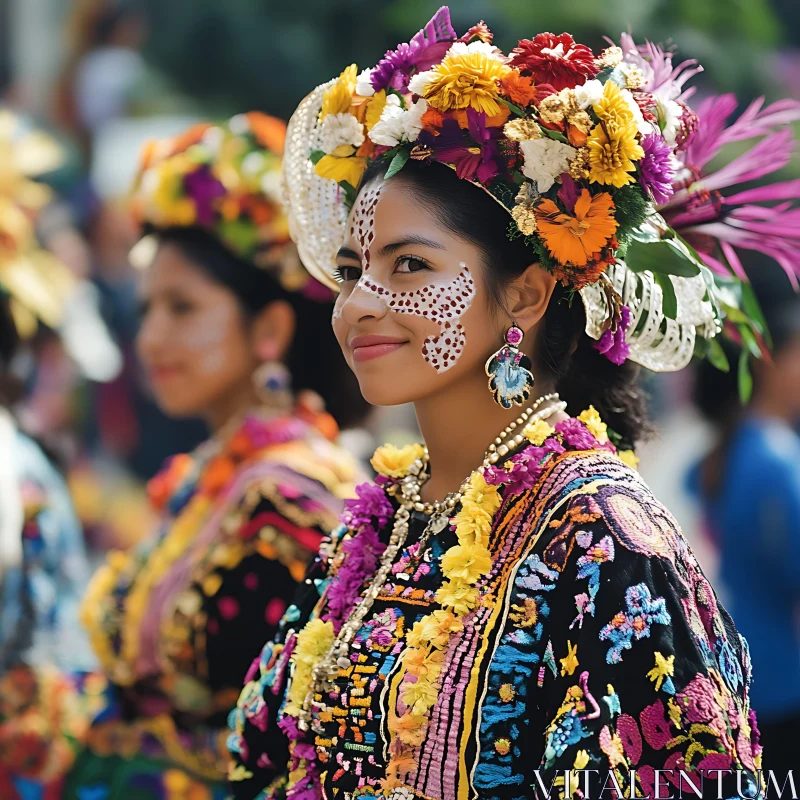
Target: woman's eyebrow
{"type": "Point", "coordinates": [388, 249]}
{"type": "Point", "coordinates": [346, 252]}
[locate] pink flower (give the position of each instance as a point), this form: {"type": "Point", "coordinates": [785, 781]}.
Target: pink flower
{"type": "Point", "coordinates": [656, 64]}
{"type": "Point", "coordinates": [576, 435]}
{"type": "Point", "coordinates": [612, 343]}
{"type": "Point", "coordinates": [655, 726]}
{"type": "Point", "coordinates": [699, 703]}
{"type": "Point", "coordinates": [628, 731]}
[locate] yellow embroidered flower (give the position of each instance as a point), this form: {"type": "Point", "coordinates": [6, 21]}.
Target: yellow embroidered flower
{"type": "Point", "coordinates": [537, 432]}
{"type": "Point", "coordinates": [409, 729]}
{"type": "Point", "coordinates": [394, 462]}
{"type": "Point", "coordinates": [482, 495]}
{"type": "Point", "coordinates": [424, 663]}
{"type": "Point", "coordinates": [502, 746]}
{"type": "Point", "coordinates": [664, 668]}
{"type": "Point", "coordinates": [591, 419]}
{"type": "Point", "coordinates": [507, 692]}
{"type": "Point", "coordinates": [337, 99]}
{"type": "Point", "coordinates": [458, 597]}
{"type": "Point", "coordinates": [420, 696]}
{"type": "Point", "coordinates": [613, 145]}
{"type": "Point", "coordinates": [466, 562]}
{"type": "Point", "coordinates": [342, 165]}
{"type": "Point", "coordinates": [467, 78]}
{"type": "Point", "coordinates": [628, 457]}
{"type": "Point", "coordinates": [570, 663]}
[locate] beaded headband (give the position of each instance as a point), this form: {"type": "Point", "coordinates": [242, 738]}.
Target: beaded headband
{"type": "Point", "coordinates": [598, 160]}
{"type": "Point", "coordinates": [226, 180]}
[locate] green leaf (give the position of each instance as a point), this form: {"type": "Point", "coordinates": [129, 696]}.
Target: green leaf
{"type": "Point", "coordinates": [316, 156]}
{"type": "Point", "coordinates": [349, 193]}
{"type": "Point", "coordinates": [559, 137]}
{"type": "Point", "coordinates": [752, 308]}
{"type": "Point", "coordinates": [749, 340]}
{"type": "Point", "coordinates": [515, 108]}
{"type": "Point", "coordinates": [398, 162]}
{"type": "Point", "coordinates": [669, 304]}
{"type": "Point", "coordinates": [745, 378]}
{"type": "Point", "coordinates": [667, 257]}
{"type": "Point", "coordinates": [716, 355]}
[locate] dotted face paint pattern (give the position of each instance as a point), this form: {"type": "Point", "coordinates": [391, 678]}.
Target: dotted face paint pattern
{"type": "Point", "coordinates": [362, 228]}
{"type": "Point", "coordinates": [443, 304]}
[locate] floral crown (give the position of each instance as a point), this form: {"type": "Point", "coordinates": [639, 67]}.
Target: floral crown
{"type": "Point", "coordinates": [226, 180]}
{"type": "Point", "coordinates": [598, 159]}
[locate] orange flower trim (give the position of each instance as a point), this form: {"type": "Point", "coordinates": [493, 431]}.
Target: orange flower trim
{"type": "Point", "coordinates": [578, 240]}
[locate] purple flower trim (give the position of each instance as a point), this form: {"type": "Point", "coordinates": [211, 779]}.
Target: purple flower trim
{"type": "Point", "coordinates": [576, 434]}
{"type": "Point", "coordinates": [656, 171]}
{"type": "Point", "coordinates": [526, 467]}
{"type": "Point", "coordinates": [612, 343]}
{"type": "Point", "coordinates": [369, 504]}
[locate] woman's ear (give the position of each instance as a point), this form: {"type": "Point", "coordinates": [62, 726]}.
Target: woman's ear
{"type": "Point", "coordinates": [273, 330]}
{"type": "Point", "coordinates": [529, 295]}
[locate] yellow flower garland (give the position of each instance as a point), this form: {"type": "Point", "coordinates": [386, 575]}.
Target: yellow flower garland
{"type": "Point", "coordinates": [463, 565]}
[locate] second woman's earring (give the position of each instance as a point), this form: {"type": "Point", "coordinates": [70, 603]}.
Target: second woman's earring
{"type": "Point", "coordinates": [273, 384]}
{"type": "Point", "coordinates": [509, 371]}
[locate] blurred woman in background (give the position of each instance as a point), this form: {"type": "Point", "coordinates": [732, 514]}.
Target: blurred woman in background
{"type": "Point", "coordinates": [749, 485]}
{"type": "Point", "coordinates": [235, 331]}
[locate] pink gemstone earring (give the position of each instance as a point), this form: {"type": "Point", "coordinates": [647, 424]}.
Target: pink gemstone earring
{"type": "Point", "coordinates": [509, 371]}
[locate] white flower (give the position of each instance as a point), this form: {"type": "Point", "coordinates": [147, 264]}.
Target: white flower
{"type": "Point", "coordinates": [213, 139]}
{"type": "Point", "coordinates": [239, 125]}
{"type": "Point", "coordinates": [670, 113]}
{"type": "Point", "coordinates": [363, 85]}
{"type": "Point", "coordinates": [389, 129]}
{"type": "Point", "coordinates": [414, 119]}
{"type": "Point", "coordinates": [545, 160]}
{"type": "Point", "coordinates": [642, 124]}
{"type": "Point", "coordinates": [253, 163]}
{"type": "Point", "coordinates": [418, 83]}
{"type": "Point", "coordinates": [339, 129]}
{"type": "Point", "coordinates": [588, 94]}
{"type": "Point", "coordinates": [463, 49]}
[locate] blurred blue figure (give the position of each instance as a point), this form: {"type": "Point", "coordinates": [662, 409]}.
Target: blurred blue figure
{"type": "Point", "coordinates": [749, 486]}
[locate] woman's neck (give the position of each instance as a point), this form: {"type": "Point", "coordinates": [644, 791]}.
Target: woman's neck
{"type": "Point", "coordinates": [458, 426]}
{"type": "Point", "coordinates": [233, 405]}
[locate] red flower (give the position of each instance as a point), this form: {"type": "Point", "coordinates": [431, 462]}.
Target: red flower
{"type": "Point", "coordinates": [556, 60]}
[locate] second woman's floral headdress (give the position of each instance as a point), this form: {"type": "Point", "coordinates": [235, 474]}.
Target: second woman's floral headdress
{"type": "Point", "coordinates": [598, 159]}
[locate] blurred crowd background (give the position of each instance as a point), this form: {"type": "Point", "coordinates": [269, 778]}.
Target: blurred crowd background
{"type": "Point", "coordinates": [103, 76]}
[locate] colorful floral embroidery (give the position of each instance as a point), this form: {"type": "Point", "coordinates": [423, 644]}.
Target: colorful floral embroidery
{"type": "Point", "coordinates": [635, 622]}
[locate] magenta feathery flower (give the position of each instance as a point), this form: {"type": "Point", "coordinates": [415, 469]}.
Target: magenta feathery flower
{"type": "Point", "coordinates": [656, 63]}
{"type": "Point", "coordinates": [204, 189]}
{"type": "Point", "coordinates": [699, 211]}
{"type": "Point", "coordinates": [370, 505]}
{"type": "Point", "coordinates": [656, 172]}
{"type": "Point", "coordinates": [576, 434]}
{"type": "Point", "coordinates": [426, 48]}
{"type": "Point", "coordinates": [612, 343]}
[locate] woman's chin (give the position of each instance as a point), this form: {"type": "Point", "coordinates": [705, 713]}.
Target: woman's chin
{"type": "Point", "coordinates": [391, 392]}
{"type": "Point", "coordinates": [179, 406]}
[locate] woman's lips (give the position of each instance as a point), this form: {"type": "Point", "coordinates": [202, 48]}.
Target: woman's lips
{"type": "Point", "coordinates": [164, 373]}
{"type": "Point", "coordinates": [365, 348]}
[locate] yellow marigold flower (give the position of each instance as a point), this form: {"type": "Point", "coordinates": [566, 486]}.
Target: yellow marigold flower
{"type": "Point", "coordinates": [591, 419]}
{"type": "Point", "coordinates": [612, 107]}
{"type": "Point", "coordinates": [467, 80]}
{"type": "Point", "coordinates": [628, 457]}
{"type": "Point", "coordinates": [342, 165]}
{"type": "Point", "coordinates": [612, 151]}
{"type": "Point", "coordinates": [422, 662]}
{"type": "Point", "coordinates": [458, 597]}
{"type": "Point", "coordinates": [537, 432]}
{"type": "Point", "coordinates": [466, 562]}
{"type": "Point", "coordinates": [420, 696]}
{"type": "Point", "coordinates": [570, 662]}
{"type": "Point", "coordinates": [312, 643]}
{"type": "Point", "coordinates": [472, 525]}
{"type": "Point", "coordinates": [481, 494]}
{"type": "Point", "coordinates": [394, 462]}
{"type": "Point", "coordinates": [337, 99]}
{"type": "Point", "coordinates": [409, 729]}
{"type": "Point", "coordinates": [434, 630]}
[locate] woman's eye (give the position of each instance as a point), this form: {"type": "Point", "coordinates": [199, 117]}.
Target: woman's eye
{"type": "Point", "coordinates": [346, 274]}
{"type": "Point", "coordinates": [181, 307]}
{"type": "Point", "coordinates": [406, 264]}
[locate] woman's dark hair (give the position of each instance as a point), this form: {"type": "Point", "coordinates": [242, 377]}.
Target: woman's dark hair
{"type": "Point", "coordinates": [578, 372]}
{"type": "Point", "coordinates": [9, 340]}
{"type": "Point", "coordinates": [314, 359]}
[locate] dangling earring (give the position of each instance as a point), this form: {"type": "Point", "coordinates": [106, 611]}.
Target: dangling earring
{"type": "Point", "coordinates": [509, 371]}
{"type": "Point", "coordinates": [273, 384]}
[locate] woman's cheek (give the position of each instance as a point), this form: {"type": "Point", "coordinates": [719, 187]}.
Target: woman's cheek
{"type": "Point", "coordinates": [206, 337]}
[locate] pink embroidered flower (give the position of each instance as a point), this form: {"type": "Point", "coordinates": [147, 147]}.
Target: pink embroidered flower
{"type": "Point", "coordinates": [699, 703]}
{"type": "Point", "coordinates": [628, 731]}
{"type": "Point", "coordinates": [714, 761]}
{"type": "Point", "coordinates": [655, 726]}
{"type": "Point", "coordinates": [647, 776]}
{"type": "Point", "coordinates": [744, 747]}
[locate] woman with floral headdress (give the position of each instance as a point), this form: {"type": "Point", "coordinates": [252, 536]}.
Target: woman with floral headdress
{"type": "Point", "coordinates": [233, 330]}
{"type": "Point", "coordinates": [507, 611]}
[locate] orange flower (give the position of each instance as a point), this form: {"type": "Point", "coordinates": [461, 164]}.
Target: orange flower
{"type": "Point", "coordinates": [270, 132]}
{"type": "Point", "coordinates": [575, 239]}
{"type": "Point", "coordinates": [494, 121]}
{"type": "Point", "coordinates": [518, 88]}
{"type": "Point", "coordinates": [432, 120]}
{"type": "Point", "coordinates": [218, 472]}
{"type": "Point", "coordinates": [183, 141]}
{"type": "Point", "coordinates": [577, 137]}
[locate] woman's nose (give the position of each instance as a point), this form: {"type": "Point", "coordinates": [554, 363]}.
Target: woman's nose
{"type": "Point", "coordinates": [361, 304]}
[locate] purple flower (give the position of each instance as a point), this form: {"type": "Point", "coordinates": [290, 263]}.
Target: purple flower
{"type": "Point", "coordinates": [569, 192]}
{"type": "Point", "coordinates": [576, 434]}
{"type": "Point", "coordinates": [370, 504]}
{"type": "Point", "coordinates": [471, 159]}
{"type": "Point", "coordinates": [612, 343]}
{"type": "Point", "coordinates": [525, 469]}
{"type": "Point", "coordinates": [426, 48]}
{"type": "Point", "coordinates": [288, 724]}
{"type": "Point", "coordinates": [656, 172]}
{"type": "Point", "coordinates": [204, 189]}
